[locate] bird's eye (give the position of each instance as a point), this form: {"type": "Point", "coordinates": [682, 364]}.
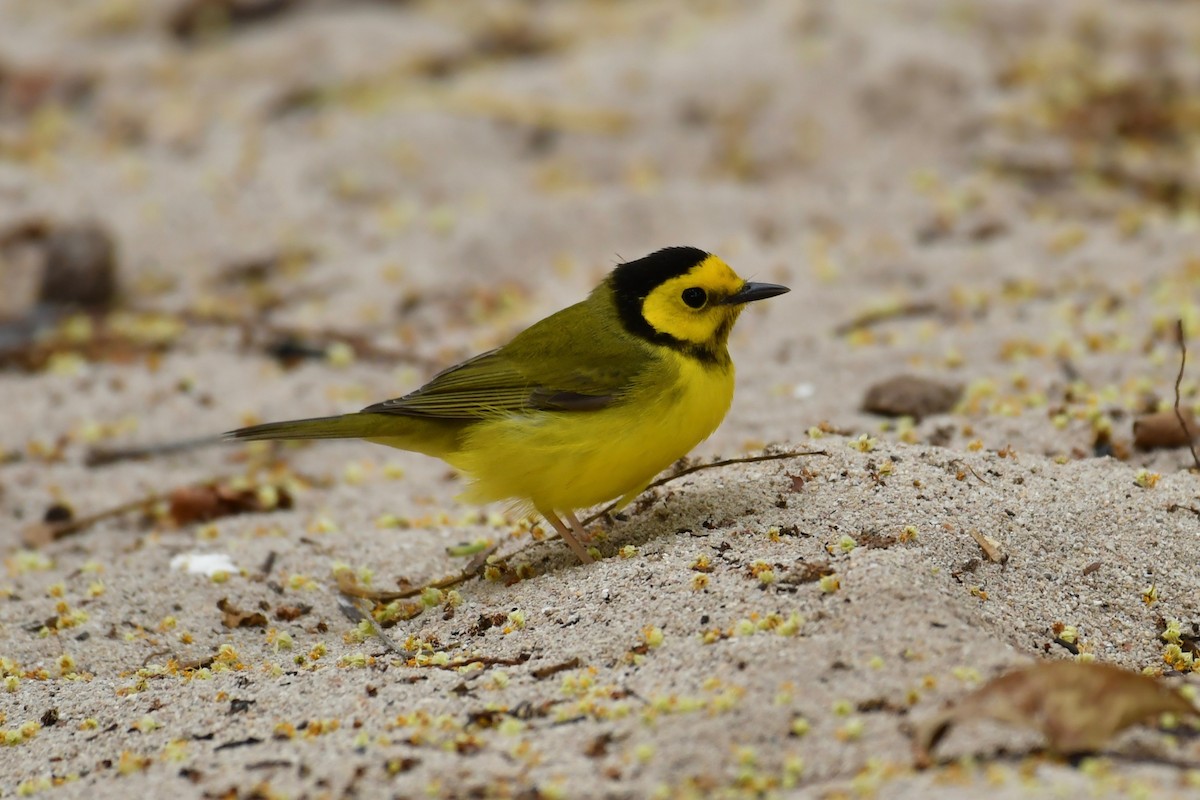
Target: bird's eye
{"type": "Point", "coordinates": [695, 297]}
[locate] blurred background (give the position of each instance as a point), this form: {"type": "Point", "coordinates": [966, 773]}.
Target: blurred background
{"type": "Point", "coordinates": [216, 212]}
{"type": "Point", "coordinates": [243, 195]}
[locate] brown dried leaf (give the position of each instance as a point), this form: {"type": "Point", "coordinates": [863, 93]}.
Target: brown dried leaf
{"type": "Point", "coordinates": [598, 747]}
{"type": "Point", "coordinates": [800, 479]}
{"type": "Point", "coordinates": [1077, 706]}
{"type": "Point", "coordinates": [212, 500]}
{"type": "Point", "coordinates": [234, 617]}
{"type": "Point", "coordinates": [193, 504]}
{"type": "Point", "coordinates": [292, 613]}
{"type": "Point", "coordinates": [989, 546]}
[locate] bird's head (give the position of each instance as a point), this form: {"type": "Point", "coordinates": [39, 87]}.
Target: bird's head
{"type": "Point", "coordinates": [684, 298]}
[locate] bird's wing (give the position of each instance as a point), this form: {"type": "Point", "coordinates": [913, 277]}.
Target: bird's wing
{"type": "Point", "coordinates": [569, 361]}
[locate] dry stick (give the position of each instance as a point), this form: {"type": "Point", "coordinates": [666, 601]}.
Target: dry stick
{"type": "Point", "coordinates": [350, 608]}
{"type": "Point", "coordinates": [712, 465]}
{"type": "Point", "coordinates": [348, 586]}
{"type": "Point", "coordinates": [1178, 380]}
{"type": "Point", "coordinates": [352, 593]}
{"type": "Point", "coordinates": [487, 661]}
{"type": "Point", "coordinates": [1171, 509]}
{"type": "Point", "coordinates": [41, 533]}
{"type": "Point", "coordinates": [872, 318]}
{"type": "Point", "coordinates": [959, 462]}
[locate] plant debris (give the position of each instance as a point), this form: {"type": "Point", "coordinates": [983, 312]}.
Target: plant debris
{"type": "Point", "coordinates": [1077, 706]}
{"type": "Point", "coordinates": [26, 89]}
{"type": "Point", "coordinates": [208, 501]}
{"type": "Point", "coordinates": [234, 617]}
{"type": "Point", "coordinates": [989, 546]}
{"type": "Point", "coordinates": [1130, 128]}
{"type": "Point", "coordinates": [348, 583]}
{"type": "Point", "coordinates": [541, 673]}
{"type": "Point", "coordinates": [1181, 340]}
{"type": "Point", "coordinates": [682, 468]}
{"type": "Point", "coordinates": [199, 19]}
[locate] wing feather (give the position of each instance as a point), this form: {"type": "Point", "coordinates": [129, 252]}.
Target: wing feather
{"type": "Point", "coordinates": [544, 368]}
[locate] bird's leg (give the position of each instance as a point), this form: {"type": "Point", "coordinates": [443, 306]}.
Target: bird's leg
{"type": "Point", "coordinates": [576, 547]}
{"type": "Point", "coordinates": [581, 535]}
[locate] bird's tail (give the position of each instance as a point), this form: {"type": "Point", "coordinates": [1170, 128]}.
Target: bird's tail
{"type": "Point", "coordinates": [441, 438]}
{"type": "Point", "coordinates": [345, 426]}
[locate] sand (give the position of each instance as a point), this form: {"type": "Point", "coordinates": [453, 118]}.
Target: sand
{"type": "Point", "coordinates": [998, 196]}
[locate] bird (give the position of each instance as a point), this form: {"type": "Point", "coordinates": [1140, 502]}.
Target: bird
{"type": "Point", "coordinates": [584, 406]}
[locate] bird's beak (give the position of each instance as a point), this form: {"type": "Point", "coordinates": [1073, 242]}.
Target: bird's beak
{"type": "Point", "coordinates": [754, 291]}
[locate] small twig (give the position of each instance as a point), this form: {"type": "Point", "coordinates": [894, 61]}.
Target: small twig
{"type": "Point", "coordinates": [353, 612]}
{"type": "Point", "coordinates": [541, 673]}
{"type": "Point", "coordinates": [871, 318]}
{"type": "Point", "coordinates": [348, 585]}
{"type": "Point", "coordinates": [1180, 507]}
{"type": "Point", "coordinates": [960, 463]}
{"type": "Point", "coordinates": [711, 465]}
{"type": "Point", "coordinates": [486, 661]}
{"type": "Point", "coordinates": [1179, 379]}
{"type": "Point", "coordinates": [728, 461]}
{"type": "Point", "coordinates": [40, 533]}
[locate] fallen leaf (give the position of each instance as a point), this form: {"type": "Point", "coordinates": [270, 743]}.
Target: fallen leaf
{"type": "Point", "coordinates": [291, 613]}
{"type": "Point", "coordinates": [598, 747]}
{"type": "Point", "coordinates": [1077, 706]}
{"type": "Point", "coordinates": [234, 617]}
{"type": "Point", "coordinates": [989, 546]}
{"type": "Point", "coordinates": [208, 501]}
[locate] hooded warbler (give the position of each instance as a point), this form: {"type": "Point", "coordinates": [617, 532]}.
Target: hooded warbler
{"type": "Point", "coordinates": [586, 405]}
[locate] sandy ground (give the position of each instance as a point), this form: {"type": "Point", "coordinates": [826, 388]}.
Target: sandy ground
{"type": "Point", "coordinates": [997, 195]}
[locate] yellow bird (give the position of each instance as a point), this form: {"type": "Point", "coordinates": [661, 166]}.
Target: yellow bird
{"type": "Point", "coordinates": [584, 406]}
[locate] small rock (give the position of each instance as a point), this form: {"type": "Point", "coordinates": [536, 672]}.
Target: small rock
{"type": "Point", "coordinates": [1162, 429]}
{"type": "Point", "coordinates": [911, 396]}
{"type": "Point", "coordinates": [80, 267]}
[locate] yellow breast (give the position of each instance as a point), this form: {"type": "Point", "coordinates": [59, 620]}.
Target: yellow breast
{"type": "Point", "coordinates": [569, 460]}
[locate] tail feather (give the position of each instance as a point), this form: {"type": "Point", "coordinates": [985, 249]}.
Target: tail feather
{"type": "Point", "coordinates": [346, 426]}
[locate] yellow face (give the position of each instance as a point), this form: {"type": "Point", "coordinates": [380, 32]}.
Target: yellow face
{"type": "Point", "coordinates": [691, 307]}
